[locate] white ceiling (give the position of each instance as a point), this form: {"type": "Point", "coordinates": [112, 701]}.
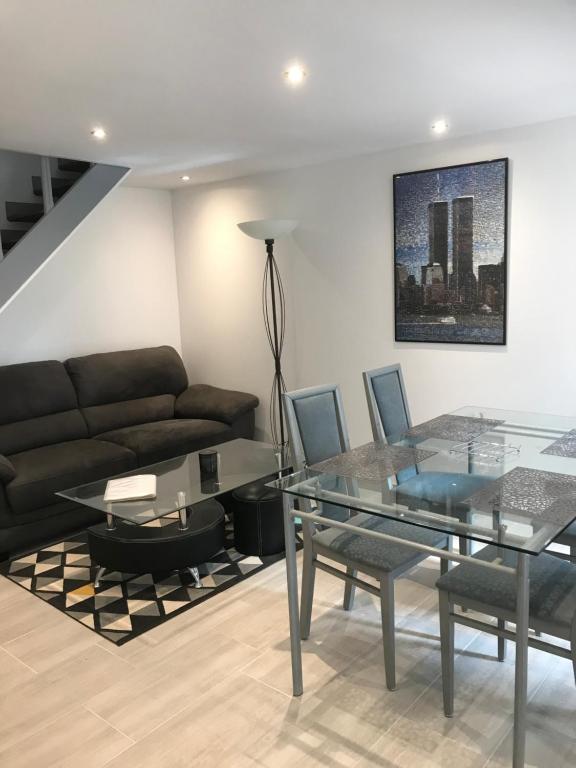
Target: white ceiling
{"type": "Point", "coordinates": [196, 86]}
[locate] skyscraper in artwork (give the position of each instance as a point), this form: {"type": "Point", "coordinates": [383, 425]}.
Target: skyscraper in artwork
{"type": "Point", "coordinates": [438, 236]}
{"type": "Point", "coordinates": [463, 278]}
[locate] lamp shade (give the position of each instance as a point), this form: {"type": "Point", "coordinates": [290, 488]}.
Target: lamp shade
{"type": "Point", "coordinates": [268, 229]}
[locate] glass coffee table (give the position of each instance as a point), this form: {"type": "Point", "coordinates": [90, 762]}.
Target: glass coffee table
{"type": "Point", "coordinates": [179, 489]}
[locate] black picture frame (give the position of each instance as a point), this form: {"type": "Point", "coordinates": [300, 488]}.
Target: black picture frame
{"type": "Point", "coordinates": [467, 305]}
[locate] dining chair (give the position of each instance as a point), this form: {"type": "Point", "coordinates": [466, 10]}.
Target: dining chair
{"type": "Point", "coordinates": [317, 430]}
{"type": "Point", "coordinates": [390, 415]}
{"type": "Point", "coordinates": [568, 539]}
{"type": "Point", "coordinates": [552, 605]}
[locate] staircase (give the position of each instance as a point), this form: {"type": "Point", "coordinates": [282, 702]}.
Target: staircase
{"type": "Point", "coordinates": [38, 215]}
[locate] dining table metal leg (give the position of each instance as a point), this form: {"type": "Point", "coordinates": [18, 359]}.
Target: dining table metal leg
{"type": "Point", "coordinates": [293, 611]}
{"type": "Point", "coordinates": [521, 682]}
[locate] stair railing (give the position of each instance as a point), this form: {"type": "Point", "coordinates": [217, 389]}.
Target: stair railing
{"type": "Point", "coordinates": [46, 179]}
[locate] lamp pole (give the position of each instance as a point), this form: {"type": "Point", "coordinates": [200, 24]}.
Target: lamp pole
{"type": "Point", "coordinates": [273, 309]}
{"type": "Point", "coordinates": [273, 299]}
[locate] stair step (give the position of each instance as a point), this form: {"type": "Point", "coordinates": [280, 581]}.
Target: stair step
{"type": "Point", "coordinates": [10, 237]}
{"type": "Point", "coordinates": [75, 166]}
{"type": "Point", "coordinates": [59, 186]}
{"type": "Point", "coordinates": [28, 213]}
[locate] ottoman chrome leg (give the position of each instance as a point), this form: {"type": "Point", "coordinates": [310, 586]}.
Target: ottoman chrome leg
{"type": "Point", "coordinates": [196, 576]}
{"type": "Point", "coordinates": [101, 572]}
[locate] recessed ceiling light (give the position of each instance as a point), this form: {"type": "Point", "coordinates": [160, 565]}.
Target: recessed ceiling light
{"type": "Point", "coordinates": [295, 74]}
{"type": "Point", "coordinates": [98, 133]}
{"type": "Point", "coordinates": [439, 127]}
{"type": "Point", "coordinates": [184, 178]}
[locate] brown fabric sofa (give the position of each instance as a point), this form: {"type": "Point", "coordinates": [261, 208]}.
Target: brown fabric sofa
{"type": "Point", "coordinates": [64, 424]}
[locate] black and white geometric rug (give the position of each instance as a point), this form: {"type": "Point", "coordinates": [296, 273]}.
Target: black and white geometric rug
{"type": "Point", "coordinates": [125, 605]}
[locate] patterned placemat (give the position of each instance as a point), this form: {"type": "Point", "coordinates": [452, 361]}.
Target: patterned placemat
{"type": "Point", "coordinates": [450, 427]}
{"type": "Point", "coordinates": [547, 496]}
{"type": "Point", "coordinates": [564, 446]}
{"type": "Point", "coordinates": [125, 605]}
{"type": "Point", "coordinates": [373, 461]}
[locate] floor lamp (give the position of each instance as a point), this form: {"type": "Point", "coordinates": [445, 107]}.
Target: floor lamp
{"type": "Point", "coordinates": [273, 308]}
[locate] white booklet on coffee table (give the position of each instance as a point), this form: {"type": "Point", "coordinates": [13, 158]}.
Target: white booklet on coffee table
{"type": "Point", "coordinates": [135, 488]}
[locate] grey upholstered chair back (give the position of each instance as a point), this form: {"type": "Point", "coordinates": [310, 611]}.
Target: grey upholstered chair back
{"type": "Point", "coordinates": [316, 424]}
{"type": "Point", "coordinates": [388, 406]}
{"type": "Point", "coordinates": [387, 401]}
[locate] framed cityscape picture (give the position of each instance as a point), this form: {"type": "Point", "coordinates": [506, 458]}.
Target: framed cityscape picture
{"type": "Point", "coordinates": [450, 254]}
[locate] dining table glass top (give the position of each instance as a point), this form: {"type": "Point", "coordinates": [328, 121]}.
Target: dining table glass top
{"type": "Point", "coordinates": [484, 474]}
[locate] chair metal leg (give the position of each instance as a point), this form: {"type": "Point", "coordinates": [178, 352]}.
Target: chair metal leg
{"type": "Point", "coordinates": [445, 564]}
{"type": "Point", "coordinates": [388, 629]}
{"type": "Point", "coordinates": [464, 546]}
{"type": "Point", "coordinates": [447, 648]}
{"type": "Point", "coordinates": [308, 580]}
{"type": "Point", "coordinates": [501, 641]}
{"type": "Point", "coordinates": [349, 590]}
{"type": "Point", "coordinates": [465, 549]}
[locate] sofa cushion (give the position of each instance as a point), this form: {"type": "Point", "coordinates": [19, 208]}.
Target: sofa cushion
{"type": "Point", "coordinates": [29, 390]}
{"type": "Point", "coordinates": [38, 406]}
{"type": "Point", "coordinates": [104, 418]}
{"type": "Point", "coordinates": [44, 430]}
{"type": "Point", "coordinates": [166, 439]}
{"type": "Point", "coordinates": [7, 471]}
{"type": "Point", "coordinates": [113, 377]}
{"type": "Point", "coordinates": [202, 401]}
{"type": "Point", "coordinates": [41, 472]}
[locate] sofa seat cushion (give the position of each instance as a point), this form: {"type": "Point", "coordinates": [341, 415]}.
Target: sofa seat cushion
{"type": "Point", "coordinates": [41, 472]}
{"type": "Point", "coordinates": [163, 440]}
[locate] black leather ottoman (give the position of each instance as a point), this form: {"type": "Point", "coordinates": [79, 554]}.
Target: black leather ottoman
{"type": "Point", "coordinates": [144, 549]}
{"type": "Point", "coordinates": [258, 519]}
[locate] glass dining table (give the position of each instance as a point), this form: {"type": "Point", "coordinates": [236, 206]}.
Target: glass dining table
{"type": "Point", "coordinates": [528, 462]}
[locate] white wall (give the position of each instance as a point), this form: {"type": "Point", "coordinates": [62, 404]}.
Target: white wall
{"type": "Point", "coordinates": [111, 286]}
{"type": "Point", "coordinates": [338, 276]}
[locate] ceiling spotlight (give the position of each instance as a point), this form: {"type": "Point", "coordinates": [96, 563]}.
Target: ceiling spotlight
{"type": "Point", "coordinates": [295, 74]}
{"type": "Point", "coordinates": [98, 133]}
{"type": "Point", "coordinates": [439, 127]}
{"type": "Point", "coordinates": [184, 178]}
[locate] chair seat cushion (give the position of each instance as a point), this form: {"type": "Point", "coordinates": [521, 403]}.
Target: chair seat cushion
{"type": "Point", "coordinates": [374, 554]}
{"type": "Point", "coordinates": [161, 440]}
{"type": "Point", "coordinates": [41, 472]}
{"type": "Point", "coordinates": [438, 487]}
{"type": "Point", "coordinates": [552, 585]}
{"type": "Point", "coordinates": [568, 536]}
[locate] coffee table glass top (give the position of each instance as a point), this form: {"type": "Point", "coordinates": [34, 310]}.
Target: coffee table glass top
{"type": "Point", "coordinates": [241, 462]}
{"type": "Point", "coordinates": [515, 475]}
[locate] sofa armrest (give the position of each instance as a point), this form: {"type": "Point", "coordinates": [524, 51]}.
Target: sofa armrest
{"type": "Point", "coordinates": [7, 471]}
{"type": "Point", "coordinates": [201, 401]}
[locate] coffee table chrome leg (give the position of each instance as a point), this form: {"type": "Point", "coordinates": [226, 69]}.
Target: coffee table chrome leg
{"type": "Point", "coordinates": [196, 576]}
{"type": "Point", "coordinates": [110, 522]}
{"type": "Point", "coordinates": [99, 575]}
{"type": "Point", "coordinates": [182, 512]}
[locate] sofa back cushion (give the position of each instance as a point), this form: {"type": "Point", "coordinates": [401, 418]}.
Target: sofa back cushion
{"type": "Point", "coordinates": [104, 418]}
{"type": "Point", "coordinates": [119, 389]}
{"type": "Point", "coordinates": [38, 406]}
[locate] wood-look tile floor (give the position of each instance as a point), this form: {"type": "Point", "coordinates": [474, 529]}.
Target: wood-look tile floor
{"type": "Point", "coordinates": [212, 688]}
